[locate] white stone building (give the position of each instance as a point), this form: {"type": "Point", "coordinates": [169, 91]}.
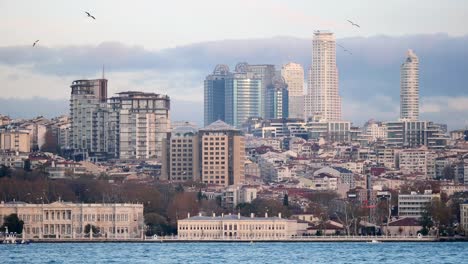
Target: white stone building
{"type": "Point", "coordinates": [238, 227]}
{"type": "Point", "coordinates": [64, 220]}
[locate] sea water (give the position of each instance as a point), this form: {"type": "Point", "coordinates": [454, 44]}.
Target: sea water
{"type": "Point", "coordinates": [426, 252]}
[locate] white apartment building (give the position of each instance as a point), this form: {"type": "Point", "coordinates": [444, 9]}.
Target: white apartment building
{"type": "Point", "coordinates": [323, 97]}
{"type": "Point", "coordinates": [234, 195]}
{"type": "Point", "coordinates": [409, 93]}
{"type": "Point", "coordinates": [293, 74]}
{"type": "Point", "coordinates": [138, 124]}
{"type": "Point", "coordinates": [414, 204]}
{"type": "Point", "coordinates": [375, 131]}
{"type": "Point", "coordinates": [238, 227]}
{"type": "Point", "coordinates": [269, 163]}
{"type": "Point", "coordinates": [420, 161]}
{"type": "Point", "coordinates": [68, 220]}
{"type": "Point", "coordinates": [324, 182]}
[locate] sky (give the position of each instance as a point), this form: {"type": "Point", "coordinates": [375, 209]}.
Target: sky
{"type": "Point", "coordinates": [170, 46]}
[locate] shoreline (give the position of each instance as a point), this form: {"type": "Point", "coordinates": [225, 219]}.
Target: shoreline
{"type": "Point", "coordinates": [303, 240]}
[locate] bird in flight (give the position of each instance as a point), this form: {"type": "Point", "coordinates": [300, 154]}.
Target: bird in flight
{"type": "Point", "coordinates": [35, 42]}
{"type": "Point", "coordinates": [353, 24]}
{"type": "Point", "coordinates": [89, 15]}
{"type": "Point", "coordinates": [344, 49]}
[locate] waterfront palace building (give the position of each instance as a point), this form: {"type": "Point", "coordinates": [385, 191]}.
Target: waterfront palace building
{"type": "Point", "coordinates": [238, 227]}
{"type": "Point", "coordinates": [61, 220]}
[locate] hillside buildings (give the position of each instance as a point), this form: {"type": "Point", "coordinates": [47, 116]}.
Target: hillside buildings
{"type": "Point", "coordinates": [15, 140]}
{"type": "Point", "coordinates": [409, 93]}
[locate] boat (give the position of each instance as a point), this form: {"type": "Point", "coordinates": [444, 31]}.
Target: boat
{"type": "Point", "coordinates": [374, 241]}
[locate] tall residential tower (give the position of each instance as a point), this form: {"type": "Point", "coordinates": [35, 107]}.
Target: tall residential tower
{"type": "Point", "coordinates": [409, 93]}
{"type": "Point", "coordinates": [323, 99]}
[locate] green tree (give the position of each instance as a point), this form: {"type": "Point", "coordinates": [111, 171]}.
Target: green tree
{"type": "Point", "coordinates": [426, 222]}
{"type": "Point", "coordinates": [13, 223]}
{"type": "Point", "coordinates": [157, 225]}
{"type": "Point", "coordinates": [5, 171]}
{"type": "Point", "coordinates": [27, 165]}
{"type": "Point", "coordinates": [90, 227]}
{"type": "Point", "coordinates": [286, 200]}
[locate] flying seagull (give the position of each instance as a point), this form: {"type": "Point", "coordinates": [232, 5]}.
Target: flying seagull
{"type": "Point", "coordinates": [89, 15]}
{"type": "Point", "coordinates": [344, 49]}
{"type": "Point", "coordinates": [35, 42]}
{"type": "Point", "coordinates": [354, 24]}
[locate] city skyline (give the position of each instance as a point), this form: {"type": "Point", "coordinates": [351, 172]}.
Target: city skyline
{"type": "Point", "coordinates": [175, 65]}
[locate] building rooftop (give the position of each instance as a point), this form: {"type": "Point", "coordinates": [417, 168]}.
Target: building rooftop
{"type": "Point", "coordinates": [219, 126]}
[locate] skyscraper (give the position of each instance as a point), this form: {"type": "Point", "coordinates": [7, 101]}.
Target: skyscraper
{"type": "Point", "coordinates": [265, 72]}
{"type": "Point", "coordinates": [88, 118]}
{"type": "Point", "coordinates": [138, 124]}
{"type": "Point", "coordinates": [214, 94]}
{"type": "Point", "coordinates": [409, 89]}
{"type": "Point", "coordinates": [293, 75]}
{"type": "Point", "coordinates": [243, 96]}
{"type": "Point", "coordinates": [222, 154]}
{"type": "Point", "coordinates": [323, 99]}
{"type": "Point", "coordinates": [277, 99]}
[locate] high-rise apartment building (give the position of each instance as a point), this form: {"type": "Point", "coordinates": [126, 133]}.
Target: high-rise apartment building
{"type": "Point", "coordinates": [214, 94]}
{"type": "Point", "coordinates": [409, 93]}
{"type": "Point", "coordinates": [276, 99]}
{"type": "Point", "coordinates": [88, 115]}
{"type": "Point", "coordinates": [243, 96]}
{"type": "Point", "coordinates": [222, 150]}
{"type": "Point", "coordinates": [138, 124]}
{"type": "Point", "coordinates": [323, 97]}
{"type": "Point", "coordinates": [293, 75]}
{"type": "Point", "coordinates": [181, 155]}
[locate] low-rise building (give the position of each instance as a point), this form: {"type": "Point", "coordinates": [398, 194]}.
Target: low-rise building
{"type": "Point", "coordinates": [464, 216]}
{"type": "Point", "coordinates": [68, 220]}
{"type": "Point", "coordinates": [238, 227]}
{"type": "Point", "coordinates": [414, 204]}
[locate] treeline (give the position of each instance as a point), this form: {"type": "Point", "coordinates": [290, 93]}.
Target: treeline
{"type": "Point", "coordinates": [163, 203]}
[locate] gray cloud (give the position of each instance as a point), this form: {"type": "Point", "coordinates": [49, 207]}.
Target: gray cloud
{"type": "Point", "coordinates": [369, 79]}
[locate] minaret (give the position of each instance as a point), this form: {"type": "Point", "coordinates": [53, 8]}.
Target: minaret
{"type": "Point", "coordinates": [409, 89]}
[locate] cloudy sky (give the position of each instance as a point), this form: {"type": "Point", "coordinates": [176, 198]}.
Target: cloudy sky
{"type": "Point", "coordinates": [169, 46]}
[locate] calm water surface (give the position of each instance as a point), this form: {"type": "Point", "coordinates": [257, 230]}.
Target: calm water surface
{"type": "Point", "coordinates": [236, 253]}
